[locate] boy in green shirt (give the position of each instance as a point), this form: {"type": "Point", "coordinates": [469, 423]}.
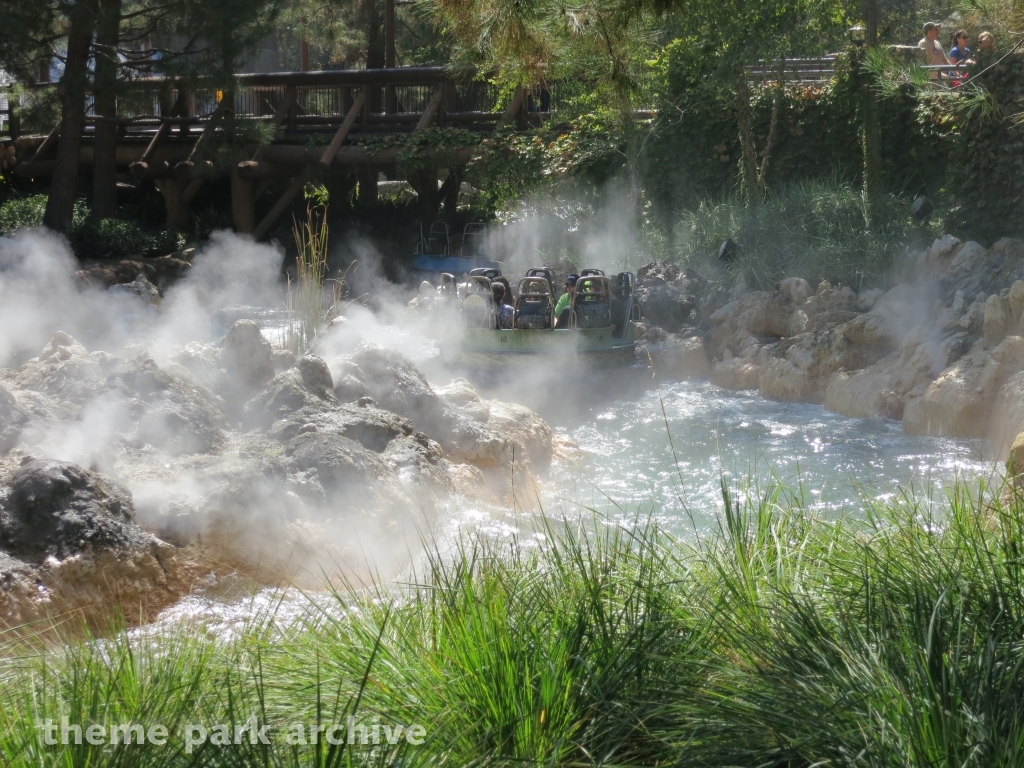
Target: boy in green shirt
{"type": "Point", "coordinates": [562, 307]}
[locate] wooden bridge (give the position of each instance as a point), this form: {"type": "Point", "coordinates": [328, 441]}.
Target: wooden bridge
{"type": "Point", "coordinates": [167, 130]}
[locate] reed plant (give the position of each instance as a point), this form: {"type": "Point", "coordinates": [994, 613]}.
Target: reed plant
{"type": "Point", "coordinates": [890, 638]}
{"type": "Point", "coordinates": [307, 308]}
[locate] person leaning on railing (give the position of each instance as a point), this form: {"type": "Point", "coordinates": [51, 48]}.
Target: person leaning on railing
{"type": "Point", "coordinates": [934, 55]}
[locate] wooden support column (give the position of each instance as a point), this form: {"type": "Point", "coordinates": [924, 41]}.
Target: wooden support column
{"type": "Point", "coordinates": [515, 109]}
{"type": "Point", "coordinates": [243, 203]}
{"type": "Point", "coordinates": [339, 138]}
{"type": "Point", "coordinates": [433, 107]}
{"type": "Point", "coordinates": [178, 215]}
{"type": "Point", "coordinates": [282, 204]}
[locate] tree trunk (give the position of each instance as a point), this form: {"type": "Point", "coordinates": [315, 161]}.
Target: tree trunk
{"type": "Point", "coordinates": [748, 149]}
{"type": "Point", "coordinates": [104, 175]}
{"type": "Point", "coordinates": [780, 89]}
{"type": "Point", "coordinates": [872, 130]}
{"type": "Point", "coordinates": [60, 206]}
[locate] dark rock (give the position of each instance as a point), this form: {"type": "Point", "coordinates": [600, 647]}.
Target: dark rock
{"type": "Point", "coordinates": [668, 296]}
{"type": "Point", "coordinates": [341, 463]}
{"type": "Point", "coordinates": [162, 271]}
{"type": "Point", "coordinates": [316, 376]}
{"type": "Point", "coordinates": [60, 509]}
{"type": "Point", "coordinates": [64, 370]}
{"type": "Point", "coordinates": [247, 359]}
{"type": "Point", "coordinates": [371, 427]}
{"type": "Point", "coordinates": [828, 318]}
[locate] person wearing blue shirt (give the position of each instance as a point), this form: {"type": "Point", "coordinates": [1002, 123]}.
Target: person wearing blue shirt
{"type": "Point", "coordinates": [960, 53]}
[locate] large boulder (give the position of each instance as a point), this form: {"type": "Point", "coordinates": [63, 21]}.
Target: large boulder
{"type": "Point", "coordinates": [756, 316]}
{"type": "Point", "coordinates": [398, 386]}
{"type": "Point", "coordinates": [1007, 421]}
{"type": "Point", "coordinates": [168, 413]}
{"type": "Point", "coordinates": [798, 369]}
{"type": "Point", "coordinates": [68, 542]}
{"type": "Point", "coordinates": [528, 432]}
{"type": "Point", "coordinates": [343, 466]}
{"type": "Point", "coordinates": [368, 425]}
{"type": "Point", "coordinates": [247, 359]}
{"type": "Point", "coordinates": [667, 294]}
{"type": "Point", "coordinates": [307, 386]}
{"type": "Point", "coordinates": [901, 309]}
{"type": "Point", "coordinates": [736, 373]}
{"type": "Point", "coordinates": [960, 401]}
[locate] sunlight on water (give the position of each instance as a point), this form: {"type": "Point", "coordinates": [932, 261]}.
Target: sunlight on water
{"type": "Point", "coordinates": [626, 458]}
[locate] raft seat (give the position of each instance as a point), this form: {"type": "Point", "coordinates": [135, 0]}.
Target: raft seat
{"type": "Point", "coordinates": [534, 307]}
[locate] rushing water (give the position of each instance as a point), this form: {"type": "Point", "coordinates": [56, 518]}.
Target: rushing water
{"type": "Point", "coordinates": [666, 451]}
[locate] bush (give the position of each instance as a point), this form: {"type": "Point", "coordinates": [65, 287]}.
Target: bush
{"type": "Point", "coordinates": [812, 229]}
{"type": "Point", "coordinates": [92, 238]}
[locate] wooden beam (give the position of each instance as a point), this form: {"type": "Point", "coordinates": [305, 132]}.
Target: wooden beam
{"type": "Point", "coordinates": [48, 142]}
{"type": "Point", "coordinates": [283, 110]}
{"type": "Point", "coordinates": [432, 108]}
{"type": "Point", "coordinates": [191, 190]}
{"type": "Point", "coordinates": [251, 170]}
{"type": "Point", "coordinates": [283, 203]}
{"type": "Point", "coordinates": [339, 138]}
{"type": "Point", "coordinates": [514, 108]}
{"type": "Point", "coordinates": [165, 128]}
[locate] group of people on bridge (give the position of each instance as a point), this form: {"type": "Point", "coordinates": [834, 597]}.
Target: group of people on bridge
{"type": "Point", "coordinates": [959, 53]}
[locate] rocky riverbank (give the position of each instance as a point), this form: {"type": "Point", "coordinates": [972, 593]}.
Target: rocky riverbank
{"type": "Point", "coordinates": [127, 481]}
{"type": "Point", "coordinates": [942, 350]}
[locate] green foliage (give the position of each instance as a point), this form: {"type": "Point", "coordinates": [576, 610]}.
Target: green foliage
{"type": "Point", "coordinates": [776, 639]}
{"type": "Point", "coordinates": [694, 150]}
{"type": "Point", "coordinates": [987, 187]}
{"type": "Point", "coordinates": [92, 238]}
{"type": "Point", "coordinates": [816, 230]}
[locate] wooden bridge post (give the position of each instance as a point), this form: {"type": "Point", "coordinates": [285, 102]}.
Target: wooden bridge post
{"type": "Point", "coordinates": [243, 203]}
{"type": "Point", "coordinates": [178, 215]}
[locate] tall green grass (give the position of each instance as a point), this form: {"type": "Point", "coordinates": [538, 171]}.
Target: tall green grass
{"type": "Point", "coordinates": [811, 229]}
{"type": "Point", "coordinates": [779, 639]}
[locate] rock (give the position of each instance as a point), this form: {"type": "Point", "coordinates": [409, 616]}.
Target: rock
{"type": "Point", "coordinates": [864, 395]}
{"type": "Point", "coordinates": [828, 299]}
{"type": "Point", "coordinates": [959, 402]}
{"type": "Point", "coordinates": [526, 429]}
{"type": "Point", "coordinates": [974, 270]}
{"type": "Point", "coordinates": [68, 543]}
{"type": "Point", "coordinates": [168, 413]}
{"type": "Point", "coordinates": [866, 300]}
{"type": "Point", "coordinates": [833, 317]}
{"type": "Point", "coordinates": [1007, 421]}
{"type": "Point", "coordinates": [303, 387]}
{"type": "Point", "coordinates": [736, 373]}
{"type": "Point", "coordinates": [1015, 461]}
{"type": "Point", "coordinates": [756, 315]}
{"type": "Point", "coordinates": [162, 271]}
{"type": "Point", "coordinates": [518, 423]}
{"type": "Point", "coordinates": [796, 289]}
{"type": "Point", "coordinates": [60, 509]}
{"type": "Point", "coordinates": [996, 322]}
{"type": "Point", "coordinates": [881, 389]}
{"type": "Point", "coordinates": [348, 387]}
{"type": "Point", "coordinates": [369, 426]}
{"type": "Point", "coordinates": [140, 288]}
{"type": "Point", "coordinates": [897, 312]}
{"type": "Point", "coordinates": [944, 247]}
{"type": "Point", "coordinates": [64, 370]}
{"type": "Point", "coordinates": [398, 386]}
{"type": "Point", "coordinates": [973, 319]}
{"type": "Point", "coordinates": [462, 395]}
{"type": "Point", "coordinates": [283, 360]}
{"type": "Point", "coordinates": [247, 358]}
{"type": "Point", "coordinates": [798, 369]}
{"type": "Point", "coordinates": [1016, 299]}
{"type": "Point", "coordinates": [342, 464]}
{"type": "Point", "coordinates": [667, 295]}
{"type": "Point", "coordinates": [13, 419]}
{"type": "Point", "coordinates": [678, 358]}
{"type": "Point", "coordinates": [420, 464]}
{"type": "Point", "coordinates": [316, 376]}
